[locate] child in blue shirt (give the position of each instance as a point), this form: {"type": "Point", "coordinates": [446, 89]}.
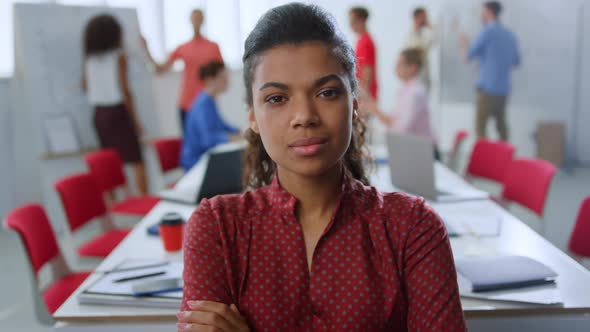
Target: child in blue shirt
{"type": "Point", "coordinates": [204, 127]}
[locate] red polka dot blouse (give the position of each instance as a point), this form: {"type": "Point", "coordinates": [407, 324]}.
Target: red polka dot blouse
{"type": "Point", "coordinates": [384, 263]}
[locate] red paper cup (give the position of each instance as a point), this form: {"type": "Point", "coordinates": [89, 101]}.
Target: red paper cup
{"type": "Point", "coordinates": [171, 236]}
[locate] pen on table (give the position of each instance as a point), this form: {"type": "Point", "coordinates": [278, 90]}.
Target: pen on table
{"type": "Point", "coordinates": [132, 268]}
{"type": "Point", "coordinates": [141, 276]}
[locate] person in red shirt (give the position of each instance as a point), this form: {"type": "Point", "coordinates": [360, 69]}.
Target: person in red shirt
{"type": "Point", "coordinates": [366, 55]}
{"type": "Point", "coordinates": [194, 53]}
{"type": "Point", "coordinates": [311, 246]}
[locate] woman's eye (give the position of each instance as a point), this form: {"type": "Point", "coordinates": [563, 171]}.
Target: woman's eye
{"type": "Point", "coordinates": [329, 93]}
{"type": "Point", "coordinates": [275, 99]}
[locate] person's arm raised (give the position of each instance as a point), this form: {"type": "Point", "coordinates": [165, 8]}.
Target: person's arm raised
{"type": "Point", "coordinates": [158, 67]}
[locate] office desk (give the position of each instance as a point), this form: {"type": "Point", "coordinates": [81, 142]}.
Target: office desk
{"type": "Point", "coordinates": [72, 316]}
{"type": "Point", "coordinates": [515, 238]}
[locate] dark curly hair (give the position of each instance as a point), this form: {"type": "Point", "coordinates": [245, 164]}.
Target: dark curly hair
{"type": "Point", "coordinates": [360, 12]}
{"type": "Point", "coordinates": [296, 23]}
{"type": "Point", "coordinates": [210, 69]}
{"type": "Point", "coordinates": [102, 33]}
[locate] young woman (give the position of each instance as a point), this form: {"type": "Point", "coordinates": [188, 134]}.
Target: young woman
{"type": "Point", "coordinates": [411, 113]}
{"type": "Point", "coordinates": [311, 247]}
{"type": "Point", "coordinates": [104, 77]}
{"type": "Point", "coordinates": [204, 127]}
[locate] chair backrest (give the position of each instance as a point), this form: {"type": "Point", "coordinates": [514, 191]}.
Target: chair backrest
{"type": "Point", "coordinates": [32, 225]}
{"type": "Point", "coordinates": [490, 159]}
{"type": "Point", "coordinates": [527, 182]}
{"type": "Point", "coordinates": [81, 198]}
{"type": "Point", "coordinates": [459, 139]}
{"type": "Point", "coordinates": [580, 239]}
{"type": "Point", "coordinates": [106, 165]}
{"type": "Point", "coordinates": [34, 230]}
{"type": "Point", "coordinates": [168, 151]}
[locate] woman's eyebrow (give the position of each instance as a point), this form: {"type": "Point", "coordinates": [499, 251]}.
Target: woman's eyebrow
{"type": "Point", "coordinates": [319, 82]}
{"type": "Point", "coordinates": [277, 85]}
{"type": "Point", "coordinates": [323, 80]}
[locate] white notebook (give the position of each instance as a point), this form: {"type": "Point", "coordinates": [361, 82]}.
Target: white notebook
{"type": "Point", "coordinates": [106, 291]}
{"type": "Point", "coordinates": [507, 278]}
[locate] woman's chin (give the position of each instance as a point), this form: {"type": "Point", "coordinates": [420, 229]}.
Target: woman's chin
{"type": "Point", "coordinates": [312, 167]}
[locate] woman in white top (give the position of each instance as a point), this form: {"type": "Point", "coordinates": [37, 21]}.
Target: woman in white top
{"type": "Point", "coordinates": [104, 77]}
{"type": "Point", "coordinates": [410, 114]}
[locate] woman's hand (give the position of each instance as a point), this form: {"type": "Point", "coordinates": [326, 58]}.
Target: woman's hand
{"type": "Point", "coordinates": [211, 316]}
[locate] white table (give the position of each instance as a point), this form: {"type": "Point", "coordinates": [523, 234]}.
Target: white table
{"type": "Point", "coordinates": [72, 316]}
{"type": "Point", "coordinates": [515, 238]}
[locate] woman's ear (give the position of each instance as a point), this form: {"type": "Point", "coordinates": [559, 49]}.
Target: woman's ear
{"type": "Point", "coordinates": [252, 120]}
{"type": "Point", "coordinates": [355, 108]}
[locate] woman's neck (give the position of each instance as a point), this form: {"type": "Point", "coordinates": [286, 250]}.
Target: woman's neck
{"type": "Point", "coordinates": [210, 91]}
{"type": "Point", "coordinates": [316, 195]}
{"type": "Point", "coordinates": [409, 79]}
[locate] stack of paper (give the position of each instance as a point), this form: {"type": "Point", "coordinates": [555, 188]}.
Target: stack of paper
{"type": "Point", "coordinates": [107, 291]}
{"type": "Point", "coordinates": [462, 220]}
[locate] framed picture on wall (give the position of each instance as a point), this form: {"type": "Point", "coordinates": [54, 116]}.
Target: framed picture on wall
{"type": "Point", "coordinates": [61, 134]}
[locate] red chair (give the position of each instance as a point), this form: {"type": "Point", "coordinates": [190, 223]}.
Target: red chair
{"type": "Point", "coordinates": [580, 239]}
{"type": "Point", "coordinates": [33, 227]}
{"type": "Point", "coordinates": [490, 159]}
{"type": "Point", "coordinates": [527, 183]}
{"type": "Point", "coordinates": [106, 165]}
{"type": "Point", "coordinates": [458, 142]}
{"type": "Point", "coordinates": [83, 202]}
{"type": "Point", "coordinates": [168, 151]}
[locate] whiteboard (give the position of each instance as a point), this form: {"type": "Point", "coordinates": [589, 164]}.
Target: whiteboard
{"type": "Point", "coordinates": [49, 55]}
{"type": "Point", "coordinates": [545, 86]}
{"type": "Point", "coordinates": [583, 116]}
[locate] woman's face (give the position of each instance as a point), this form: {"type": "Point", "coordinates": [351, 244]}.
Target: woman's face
{"type": "Point", "coordinates": [221, 81]}
{"type": "Point", "coordinates": [302, 107]}
{"type": "Point", "coordinates": [403, 69]}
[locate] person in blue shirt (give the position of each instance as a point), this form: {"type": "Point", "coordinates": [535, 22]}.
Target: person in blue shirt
{"type": "Point", "coordinates": [204, 127]}
{"type": "Point", "coordinates": [496, 49]}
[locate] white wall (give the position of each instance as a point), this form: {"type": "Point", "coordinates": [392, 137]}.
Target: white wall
{"type": "Point", "coordinates": [6, 165]}
{"type": "Point", "coordinates": [551, 84]}
{"type": "Point", "coordinates": [583, 116]}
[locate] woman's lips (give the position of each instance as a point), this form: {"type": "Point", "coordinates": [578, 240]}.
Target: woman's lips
{"type": "Point", "coordinates": [308, 146]}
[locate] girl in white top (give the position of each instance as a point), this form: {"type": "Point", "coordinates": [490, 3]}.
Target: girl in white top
{"type": "Point", "coordinates": [410, 114]}
{"type": "Point", "coordinates": [104, 77]}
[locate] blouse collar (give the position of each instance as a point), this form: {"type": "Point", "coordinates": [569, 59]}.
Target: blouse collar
{"type": "Point", "coordinates": [284, 201]}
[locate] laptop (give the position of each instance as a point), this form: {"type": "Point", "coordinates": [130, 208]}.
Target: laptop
{"type": "Point", "coordinates": [219, 171]}
{"type": "Point", "coordinates": [411, 166]}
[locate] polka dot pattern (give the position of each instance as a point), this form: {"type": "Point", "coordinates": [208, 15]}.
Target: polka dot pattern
{"type": "Point", "coordinates": [384, 263]}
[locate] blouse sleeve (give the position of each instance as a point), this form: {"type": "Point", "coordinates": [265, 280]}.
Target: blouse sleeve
{"type": "Point", "coordinates": [204, 267]}
{"type": "Point", "coordinates": [430, 278]}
